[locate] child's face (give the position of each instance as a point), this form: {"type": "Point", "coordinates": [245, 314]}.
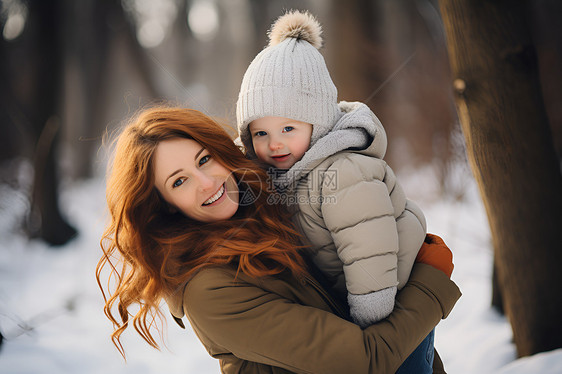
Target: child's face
{"type": "Point", "coordinates": [279, 141]}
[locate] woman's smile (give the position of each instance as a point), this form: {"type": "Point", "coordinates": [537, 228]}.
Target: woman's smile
{"type": "Point", "coordinates": [216, 198]}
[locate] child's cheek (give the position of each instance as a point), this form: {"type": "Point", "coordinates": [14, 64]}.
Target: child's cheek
{"type": "Point", "coordinates": [258, 150]}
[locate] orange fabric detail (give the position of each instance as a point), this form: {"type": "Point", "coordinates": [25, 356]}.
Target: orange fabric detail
{"type": "Point", "coordinates": [435, 252]}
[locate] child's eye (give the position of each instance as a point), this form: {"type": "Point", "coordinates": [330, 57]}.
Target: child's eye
{"type": "Point", "coordinates": [260, 133]}
{"type": "Point", "coordinates": [288, 128]}
{"type": "Point", "coordinates": [178, 182]}
{"type": "Point", "coordinates": [203, 160]}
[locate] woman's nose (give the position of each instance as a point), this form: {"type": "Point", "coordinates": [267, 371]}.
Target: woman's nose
{"type": "Point", "coordinates": [205, 181]}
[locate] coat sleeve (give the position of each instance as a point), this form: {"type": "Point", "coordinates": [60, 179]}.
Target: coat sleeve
{"type": "Point", "coordinates": [359, 213]}
{"type": "Point", "coordinates": [262, 327]}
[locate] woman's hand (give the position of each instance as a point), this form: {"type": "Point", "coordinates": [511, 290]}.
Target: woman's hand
{"type": "Point", "coordinates": [435, 252]}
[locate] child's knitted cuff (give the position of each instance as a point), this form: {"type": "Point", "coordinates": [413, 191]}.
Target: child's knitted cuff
{"type": "Point", "coordinates": [372, 307]}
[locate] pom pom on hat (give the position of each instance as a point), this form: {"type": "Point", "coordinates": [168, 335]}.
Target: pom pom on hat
{"type": "Point", "coordinates": [297, 25]}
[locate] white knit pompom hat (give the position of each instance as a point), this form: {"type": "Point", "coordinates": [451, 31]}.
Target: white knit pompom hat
{"type": "Point", "coordinates": [289, 79]}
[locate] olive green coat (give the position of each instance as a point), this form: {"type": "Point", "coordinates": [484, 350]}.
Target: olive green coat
{"type": "Point", "coordinates": [285, 325]}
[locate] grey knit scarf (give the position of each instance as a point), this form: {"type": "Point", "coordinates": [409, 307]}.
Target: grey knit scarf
{"type": "Point", "coordinates": [356, 129]}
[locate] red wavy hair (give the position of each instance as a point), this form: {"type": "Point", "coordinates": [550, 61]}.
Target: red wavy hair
{"type": "Point", "coordinates": [158, 251]}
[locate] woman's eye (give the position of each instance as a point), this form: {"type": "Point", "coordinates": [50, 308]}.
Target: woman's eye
{"type": "Point", "coordinates": [204, 159]}
{"type": "Point", "coordinates": [288, 128]}
{"type": "Point", "coordinates": [178, 182]}
{"type": "Point", "coordinates": [260, 133]}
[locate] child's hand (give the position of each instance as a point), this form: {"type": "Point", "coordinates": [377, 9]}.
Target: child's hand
{"type": "Point", "coordinates": [371, 307]}
{"type": "Point", "coordinates": [435, 252]}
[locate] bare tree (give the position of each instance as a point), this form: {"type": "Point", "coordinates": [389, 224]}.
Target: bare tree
{"type": "Point", "coordinates": [510, 149]}
{"type": "Point", "coordinates": [43, 101]}
{"type": "Point", "coordinates": [54, 89]}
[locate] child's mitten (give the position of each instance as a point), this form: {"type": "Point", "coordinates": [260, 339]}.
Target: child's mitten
{"type": "Point", "coordinates": [371, 307]}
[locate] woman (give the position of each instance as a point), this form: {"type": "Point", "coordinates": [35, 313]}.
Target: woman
{"type": "Point", "coordinates": [191, 223]}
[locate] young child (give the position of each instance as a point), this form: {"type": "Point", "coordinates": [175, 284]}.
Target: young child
{"type": "Point", "coordinates": [327, 160]}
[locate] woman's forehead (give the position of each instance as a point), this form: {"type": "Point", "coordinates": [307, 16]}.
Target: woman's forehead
{"type": "Point", "coordinates": [173, 153]}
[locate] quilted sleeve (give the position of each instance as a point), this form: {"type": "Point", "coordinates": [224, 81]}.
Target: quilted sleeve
{"type": "Point", "coordinates": [359, 213]}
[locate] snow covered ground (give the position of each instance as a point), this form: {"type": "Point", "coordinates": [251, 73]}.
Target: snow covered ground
{"type": "Point", "coordinates": [51, 308]}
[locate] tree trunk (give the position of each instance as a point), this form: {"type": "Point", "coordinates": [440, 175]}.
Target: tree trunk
{"type": "Point", "coordinates": [497, 299]}
{"type": "Point", "coordinates": [510, 149]}
{"type": "Point", "coordinates": [45, 219]}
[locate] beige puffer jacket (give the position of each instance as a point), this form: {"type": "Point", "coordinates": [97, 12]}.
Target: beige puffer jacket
{"type": "Point", "coordinates": [351, 208]}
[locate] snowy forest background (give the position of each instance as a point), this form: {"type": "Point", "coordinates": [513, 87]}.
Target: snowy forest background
{"type": "Point", "coordinates": [71, 72]}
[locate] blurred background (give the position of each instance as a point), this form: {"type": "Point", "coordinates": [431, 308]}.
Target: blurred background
{"type": "Point", "coordinates": [72, 71]}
